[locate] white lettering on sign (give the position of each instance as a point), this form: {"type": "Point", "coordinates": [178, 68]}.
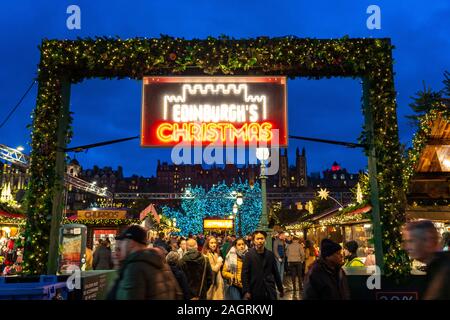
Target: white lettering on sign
{"type": "Point", "coordinates": [397, 296]}
{"type": "Point", "coordinates": [219, 224]}
{"type": "Point", "coordinates": [102, 214]}
{"type": "Point", "coordinates": [182, 112]}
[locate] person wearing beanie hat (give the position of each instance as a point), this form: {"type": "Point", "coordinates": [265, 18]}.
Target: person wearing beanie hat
{"type": "Point", "coordinates": [328, 248]}
{"type": "Point", "coordinates": [351, 260]}
{"type": "Point", "coordinates": [326, 280]}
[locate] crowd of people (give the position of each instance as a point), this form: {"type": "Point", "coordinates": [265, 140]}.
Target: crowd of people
{"type": "Point", "coordinates": [229, 268]}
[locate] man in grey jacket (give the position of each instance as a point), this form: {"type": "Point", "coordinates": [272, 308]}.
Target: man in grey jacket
{"type": "Point", "coordinates": [295, 256]}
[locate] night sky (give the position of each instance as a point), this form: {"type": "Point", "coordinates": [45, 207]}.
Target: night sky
{"type": "Point", "coordinates": [328, 109]}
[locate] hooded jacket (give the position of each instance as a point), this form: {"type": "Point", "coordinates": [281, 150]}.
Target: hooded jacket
{"type": "Point", "coordinates": [193, 264]}
{"type": "Point", "coordinates": [325, 283]}
{"type": "Point", "coordinates": [145, 275]}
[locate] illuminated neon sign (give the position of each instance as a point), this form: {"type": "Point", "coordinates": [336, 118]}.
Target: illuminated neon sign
{"type": "Point", "coordinates": [213, 110]}
{"type": "Point", "coordinates": [218, 224]}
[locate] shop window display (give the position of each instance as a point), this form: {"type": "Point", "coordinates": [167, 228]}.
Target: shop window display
{"type": "Point", "coordinates": [11, 250]}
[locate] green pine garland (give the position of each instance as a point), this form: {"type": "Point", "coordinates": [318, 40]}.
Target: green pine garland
{"type": "Point", "coordinates": [369, 59]}
{"type": "Point", "coordinates": [103, 222]}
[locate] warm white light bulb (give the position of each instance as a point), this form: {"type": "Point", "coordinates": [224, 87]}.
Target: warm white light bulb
{"type": "Point", "coordinates": [262, 153]}
{"type": "Point", "coordinates": [446, 163]}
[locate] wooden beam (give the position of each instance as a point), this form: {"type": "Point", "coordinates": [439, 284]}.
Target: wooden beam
{"type": "Point", "coordinates": [438, 142]}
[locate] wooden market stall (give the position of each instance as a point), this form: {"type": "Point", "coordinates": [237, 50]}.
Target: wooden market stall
{"type": "Point", "coordinates": [429, 185]}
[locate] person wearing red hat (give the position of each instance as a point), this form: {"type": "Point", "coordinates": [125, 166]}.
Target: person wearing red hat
{"type": "Point", "coordinates": [326, 280]}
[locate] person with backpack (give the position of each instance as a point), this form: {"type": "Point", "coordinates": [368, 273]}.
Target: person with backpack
{"type": "Point", "coordinates": [198, 271]}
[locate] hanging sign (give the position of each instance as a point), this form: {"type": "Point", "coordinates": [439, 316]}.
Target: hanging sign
{"type": "Point", "coordinates": [101, 214]}
{"type": "Point", "coordinates": [214, 111]}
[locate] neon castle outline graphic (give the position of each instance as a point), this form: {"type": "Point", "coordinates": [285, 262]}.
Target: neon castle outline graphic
{"type": "Point", "coordinates": [215, 89]}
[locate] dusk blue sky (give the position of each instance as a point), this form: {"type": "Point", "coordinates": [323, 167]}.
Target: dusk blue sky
{"type": "Point", "coordinates": [329, 109]}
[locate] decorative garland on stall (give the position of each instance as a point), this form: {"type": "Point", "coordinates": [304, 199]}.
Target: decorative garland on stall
{"type": "Point", "coordinates": [103, 222]}
{"type": "Point", "coordinates": [4, 206]}
{"type": "Point", "coordinates": [102, 57]}
{"type": "Point", "coordinates": [17, 221]}
{"type": "Point", "coordinates": [343, 217]}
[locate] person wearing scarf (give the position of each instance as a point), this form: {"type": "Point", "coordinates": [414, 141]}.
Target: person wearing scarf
{"type": "Point", "coordinates": [232, 269]}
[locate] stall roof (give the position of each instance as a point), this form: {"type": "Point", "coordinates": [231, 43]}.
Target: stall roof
{"type": "Point", "coordinates": [314, 218]}
{"type": "Point", "coordinates": [12, 215]}
{"type": "Point", "coordinates": [429, 212]}
{"type": "Point", "coordinates": [435, 156]}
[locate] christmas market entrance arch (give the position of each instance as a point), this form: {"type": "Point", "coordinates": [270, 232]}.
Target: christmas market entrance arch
{"type": "Point", "coordinates": [65, 62]}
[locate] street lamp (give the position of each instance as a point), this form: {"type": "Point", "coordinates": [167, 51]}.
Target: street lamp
{"type": "Point", "coordinates": [239, 199]}
{"type": "Point", "coordinates": [262, 154]}
{"type": "Point", "coordinates": [235, 211]}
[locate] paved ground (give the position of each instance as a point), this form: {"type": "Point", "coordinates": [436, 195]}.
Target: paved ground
{"type": "Point", "coordinates": [289, 293]}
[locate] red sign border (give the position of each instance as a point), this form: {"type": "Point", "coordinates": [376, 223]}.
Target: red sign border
{"type": "Point", "coordinates": [224, 79]}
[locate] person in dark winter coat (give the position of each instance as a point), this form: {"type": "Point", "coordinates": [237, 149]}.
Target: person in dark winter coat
{"type": "Point", "coordinates": [161, 243]}
{"type": "Point", "coordinates": [144, 273]}
{"type": "Point", "coordinates": [195, 265]}
{"type": "Point", "coordinates": [421, 242]}
{"type": "Point", "coordinates": [102, 259]}
{"type": "Point", "coordinates": [260, 271]}
{"type": "Point", "coordinates": [173, 259]}
{"type": "Point", "coordinates": [326, 280]}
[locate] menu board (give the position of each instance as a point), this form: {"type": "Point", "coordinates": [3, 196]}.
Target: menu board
{"type": "Point", "coordinates": [95, 286]}
{"type": "Point", "coordinates": [72, 243]}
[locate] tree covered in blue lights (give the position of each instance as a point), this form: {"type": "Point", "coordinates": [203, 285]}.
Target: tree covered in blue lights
{"type": "Point", "coordinates": [197, 204]}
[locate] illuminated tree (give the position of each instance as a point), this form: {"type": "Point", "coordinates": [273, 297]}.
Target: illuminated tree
{"type": "Point", "coordinates": [217, 202]}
